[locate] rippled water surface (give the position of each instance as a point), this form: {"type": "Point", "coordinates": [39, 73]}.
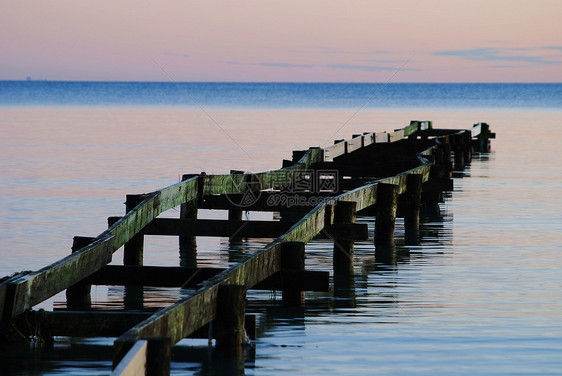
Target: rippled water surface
{"type": "Point", "coordinates": [481, 294]}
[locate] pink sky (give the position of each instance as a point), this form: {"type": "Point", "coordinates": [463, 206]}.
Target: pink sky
{"type": "Point", "coordinates": [298, 41]}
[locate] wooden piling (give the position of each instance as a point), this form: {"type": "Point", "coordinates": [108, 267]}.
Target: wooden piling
{"type": "Point", "coordinates": [467, 147]}
{"type": "Point", "coordinates": [235, 214]}
{"type": "Point", "coordinates": [412, 216]}
{"type": "Point", "coordinates": [79, 295]}
{"type": "Point", "coordinates": [459, 154]}
{"type": "Point", "coordinates": [158, 356]}
{"type": "Point", "coordinates": [134, 248]}
{"type": "Point", "coordinates": [387, 203]}
{"type": "Point", "coordinates": [345, 212]}
{"type": "Point", "coordinates": [231, 310]}
{"type": "Point", "coordinates": [292, 259]}
{"type": "Point", "coordinates": [188, 244]}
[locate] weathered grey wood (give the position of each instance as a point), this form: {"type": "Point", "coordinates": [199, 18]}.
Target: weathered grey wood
{"type": "Point", "coordinates": [152, 205]}
{"type": "Point", "coordinates": [191, 313]}
{"type": "Point", "coordinates": [23, 291]}
{"type": "Point", "coordinates": [381, 137]}
{"type": "Point", "coordinates": [308, 227]}
{"type": "Point", "coordinates": [176, 321]}
{"type": "Point", "coordinates": [335, 151]}
{"type": "Point", "coordinates": [355, 143]}
{"type": "Point", "coordinates": [35, 287]}
{"type": "Point", "coordinates": [397, 135]}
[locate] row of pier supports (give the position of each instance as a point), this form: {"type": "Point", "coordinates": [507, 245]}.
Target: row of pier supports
{"type": "Point", "coordinates": [418, 200]}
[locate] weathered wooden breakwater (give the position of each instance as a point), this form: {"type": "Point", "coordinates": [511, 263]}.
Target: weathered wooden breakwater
{"type": "Point", "coordinates": [320, 192]}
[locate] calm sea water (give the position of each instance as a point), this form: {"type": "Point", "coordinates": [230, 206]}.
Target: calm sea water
{"type": "Point", "coordinates": [480, 295]}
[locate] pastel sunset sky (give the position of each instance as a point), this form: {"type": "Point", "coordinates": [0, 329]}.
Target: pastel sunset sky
{"type": "Point", "coordinates": [289, 40]}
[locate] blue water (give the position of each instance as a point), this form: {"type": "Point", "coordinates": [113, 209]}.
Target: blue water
{"type": "Point", "coordinates": [480, 295]}
{"type": "Point", "coordinates": [280, 95]}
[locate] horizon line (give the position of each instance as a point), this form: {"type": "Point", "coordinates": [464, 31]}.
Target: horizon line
{"type": "Point", "coordinates": [281, 82]}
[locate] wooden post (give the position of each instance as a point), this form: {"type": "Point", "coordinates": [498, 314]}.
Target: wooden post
{"type": "Point", "coordinates": [387, 202]}
{"type": "Point", "coordinates": [412, 218]}
{"type": "Point", "coordinates": [345, 212]}
{"type": "Point", "coordinates": [467, 147]}
{"type": "Point", "coordinates": [78, 296]}
{"type": "Point", "coordinates": [188, 244]}
{"type": "Point", "coordinates": [292, 258]}
{"type": "Point", "coordinates": [484, 138]}
{"type": "Point", "coordinates": [446, 147]}
{"type": "Point", "coordinates": [158, 356]}
{"type": "Point", "coordinates": [133, 255]}
{"type": "Point", "coordinates": [133, 249]}
{"type": "Point", "coordinates": [235, 214]}
{"type": "Point", "coordinates": [231, 311]}
{"type": "Point", "coordinates": [459, 152]}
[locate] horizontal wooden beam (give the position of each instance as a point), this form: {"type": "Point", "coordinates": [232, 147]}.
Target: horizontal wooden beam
{"type": "Point", "coordinates": [30, 289]}
{"type": "Point", "coordinates": [193, 312]}
{"type": "Point", "coordinates": [114, 323]}
{"type": "Point", "coordinates": [172, 276]}
{"type": "Point", "coordinates": [241, 229]}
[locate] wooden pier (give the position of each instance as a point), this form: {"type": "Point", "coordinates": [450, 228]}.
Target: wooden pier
{"type": "Point", "coordinates": [319, 193]}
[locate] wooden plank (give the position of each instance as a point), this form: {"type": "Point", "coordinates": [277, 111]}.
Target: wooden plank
{"type": "Point", "coordinates": [115, 323]}
{"type": "Point", "coordinates": [35, 287]}
{"type": "Point", "coordinates": [173, 276]}
{"type": "Point", "coordinates": [364, 196]}
{"type": "Point", "coordinates": [368, 138]}
{"type": "Point", "coordinates": [355, 144]}
{"type": "Point", "coordinates": [397, 135]}
{"type": "Point", "coordinates": [410, 129]}
{"type": "Point", "coordinates": [335, 151]}
{"type": "Point", "coordinates": [191, 313]}
{"type": "Point", "coordinates": [425, 125]}
{"type": "Point", "coordinates": [242, 228]}
{"type": "Point", "coordinates": [134, 363]}
{"type": "Point", "coordinates": [433, 132]}
{"type": "Point", "coordinates": [381, 137]}
{"type": "Point", "coordinates": [154, 204]}
{"type": "Point", "coordinates": [308, 227]}
{"type": "Point", "coordinates": [476, 130]}
{"type": "Point", "coordinates": [216, 227]}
